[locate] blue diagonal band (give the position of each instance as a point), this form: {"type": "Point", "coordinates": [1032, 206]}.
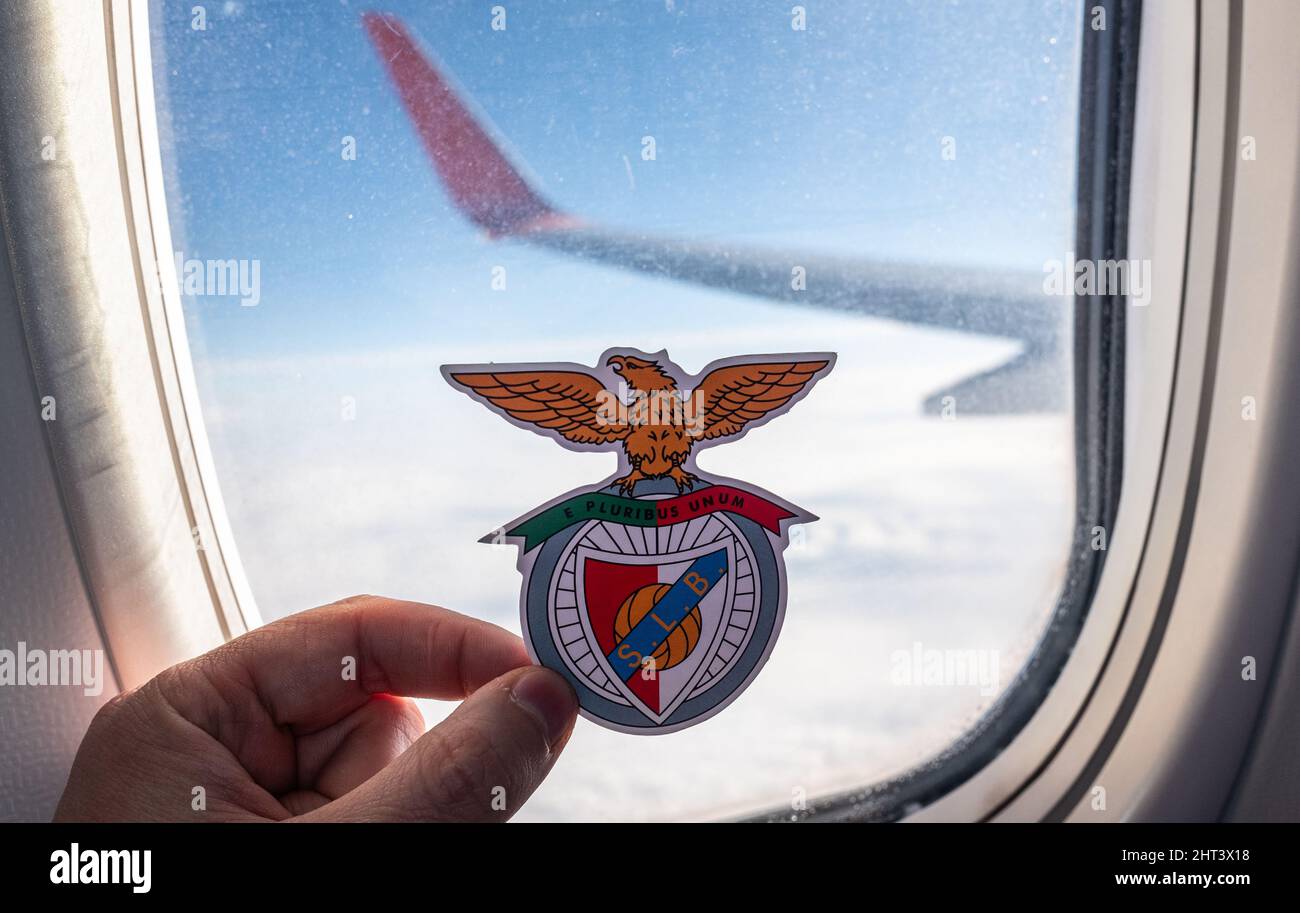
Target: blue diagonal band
{"type": "Point", "coordinates": [685, 594]}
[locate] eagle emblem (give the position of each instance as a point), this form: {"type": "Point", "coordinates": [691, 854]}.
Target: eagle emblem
{"type": "Point", "coordinates": [658, 592]}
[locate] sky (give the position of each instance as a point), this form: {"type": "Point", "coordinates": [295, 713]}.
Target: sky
{"type": "Point", "coordinates": [949, 534]}
{"type": "Point", "coordinates": [827, 140]}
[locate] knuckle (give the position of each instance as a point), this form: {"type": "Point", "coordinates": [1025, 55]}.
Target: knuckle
{"type": "Point", "coordinates": [402, 715]}
{"type": "Point", "coordinates": [409, 721]}
{"type": "Point", "coordinates": [110, 714]}
{"type": "Point", "coordinates": [358, 599]}
{"type": "Point", "coordinates": [457, 772]}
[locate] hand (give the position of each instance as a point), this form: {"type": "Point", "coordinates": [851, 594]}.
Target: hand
{"type": "Point", "coordinates": [270, 727]}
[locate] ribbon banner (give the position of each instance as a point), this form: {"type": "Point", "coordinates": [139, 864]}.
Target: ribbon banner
{"type": "Point", "coordinates": [637, 512]}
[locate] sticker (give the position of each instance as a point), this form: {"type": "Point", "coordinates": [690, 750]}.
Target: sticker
{"type": "Point", "coordinates": [659, 592]}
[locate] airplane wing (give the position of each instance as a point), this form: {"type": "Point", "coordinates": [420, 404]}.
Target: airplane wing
{"type": "Point", "coordinates": [491, 191]}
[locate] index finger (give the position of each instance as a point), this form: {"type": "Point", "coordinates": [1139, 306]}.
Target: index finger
{"type": "Point", "coordinates": [311, 669]}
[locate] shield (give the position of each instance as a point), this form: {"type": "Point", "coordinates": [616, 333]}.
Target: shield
{"type": "Point", "coordinates": [658, 623]}
{"type": "Point", "coordinates": [655, 626]}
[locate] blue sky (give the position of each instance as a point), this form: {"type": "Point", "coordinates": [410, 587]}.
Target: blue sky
{"type": "Point", "coordinates": [827, 139]}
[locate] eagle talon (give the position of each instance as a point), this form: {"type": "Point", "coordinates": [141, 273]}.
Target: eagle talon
{"type": "Point", "coordinates": [683, 479]}
{"type": "Point", "coordinates": [627, 483]}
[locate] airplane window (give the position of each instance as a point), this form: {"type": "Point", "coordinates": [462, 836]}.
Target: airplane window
{"type": "Point", "coordinates": [889, 181]}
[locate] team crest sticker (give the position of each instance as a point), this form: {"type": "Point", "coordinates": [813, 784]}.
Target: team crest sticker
{"type": "Point", "coordinates": [659, 592]}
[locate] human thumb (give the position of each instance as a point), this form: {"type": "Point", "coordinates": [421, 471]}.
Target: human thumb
{"type": "Point", "coordinates": [480, 764]}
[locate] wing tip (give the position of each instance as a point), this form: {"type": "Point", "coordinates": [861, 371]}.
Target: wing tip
{"type": "Point", "coordinates": [470, 381]}
{"type": "Point", "coordinates": [377, 23]}
{"type": "Point", "coordinates": [487, 187]}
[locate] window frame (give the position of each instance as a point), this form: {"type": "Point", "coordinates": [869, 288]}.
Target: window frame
{"type": "Point", "coordinates": [105, 336]}
{"type": "Point", "coordinates": [232, 594]}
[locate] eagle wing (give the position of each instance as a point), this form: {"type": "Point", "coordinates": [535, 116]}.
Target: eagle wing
{"type": "Point", "coordinates": [735, 396]}
{"type": "Point", "coordinates": [571, 404]}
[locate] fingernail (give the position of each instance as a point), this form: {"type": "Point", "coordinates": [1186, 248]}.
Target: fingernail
{"type": "Point", "coordinates": [547, 698]}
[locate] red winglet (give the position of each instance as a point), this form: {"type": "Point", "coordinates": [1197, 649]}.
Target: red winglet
{"type": "Point", "coordinates": [478, 176]}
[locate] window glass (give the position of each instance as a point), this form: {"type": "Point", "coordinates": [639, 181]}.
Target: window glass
{"type": "Point", "coordinates": [939, 136]}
